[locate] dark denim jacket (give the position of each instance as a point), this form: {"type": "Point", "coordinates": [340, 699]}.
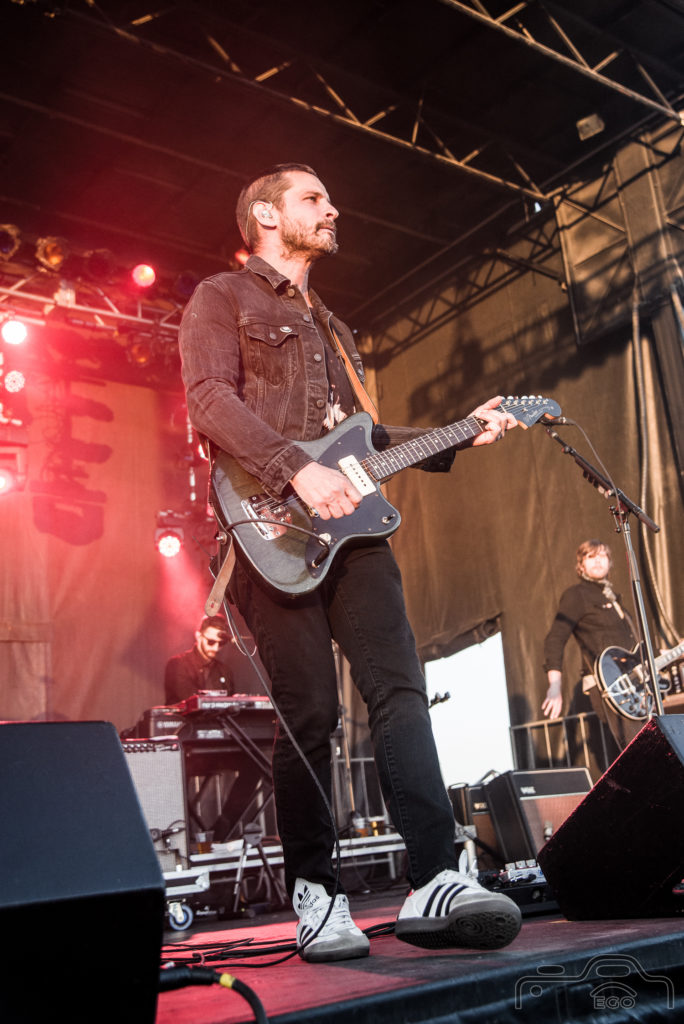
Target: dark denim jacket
{"type": "Point", "coordinates": [255, 375]}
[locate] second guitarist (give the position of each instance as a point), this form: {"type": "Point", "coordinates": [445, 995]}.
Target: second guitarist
{"type": "Point", "coordinates": [593, 614]}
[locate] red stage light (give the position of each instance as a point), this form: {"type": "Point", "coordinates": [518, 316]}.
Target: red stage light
{"type": "Point", "coordinates": [241, 257]}
{"type": "Point", "coordinates": [14, 331]}
{"type": "Point", "coordinates": [143, 275]}
{"type": "Point", "coordinates": [15, 381]}
{"type": "Point", "coordinates": [8, 480]}
{"type": "Point", "coordinates": [169, 543]}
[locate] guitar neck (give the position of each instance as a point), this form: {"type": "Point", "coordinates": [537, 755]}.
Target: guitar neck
{"type": "Point", "coordinates": [385, 464]}
{"type": "Point", "coordinates": [663, 660]}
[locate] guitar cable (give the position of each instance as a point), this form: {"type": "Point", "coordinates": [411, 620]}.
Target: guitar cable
{"type": "Point", "coordinates": [289, 526]}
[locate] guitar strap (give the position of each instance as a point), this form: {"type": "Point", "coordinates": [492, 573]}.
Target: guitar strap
{"type": "Point", "coordinates": [611, 596]}
{"type": "Point", "coordinates": [218, 591]}
{"type": "Point", "coordinates": [362, 397]}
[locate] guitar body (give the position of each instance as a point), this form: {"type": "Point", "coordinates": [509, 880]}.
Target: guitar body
{"type": "Point", "coordinates": [277, 543]}
{"type": "Point", "coordinates": [621, 676]}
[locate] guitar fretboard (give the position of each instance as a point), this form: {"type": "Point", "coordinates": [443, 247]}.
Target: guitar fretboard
{"type": "Point", "coordinates": [383, 465]}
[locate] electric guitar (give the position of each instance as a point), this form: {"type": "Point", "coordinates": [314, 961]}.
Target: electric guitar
{"type": "Point", "coordinates": [621, 676]}
{"type": "Point", "coordinates": [286, 543]}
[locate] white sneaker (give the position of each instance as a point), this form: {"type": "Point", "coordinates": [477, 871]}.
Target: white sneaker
{"type": "Point", "coordinates": [339, 939]}
{"type": "Point", "coordinates": [455, 910]}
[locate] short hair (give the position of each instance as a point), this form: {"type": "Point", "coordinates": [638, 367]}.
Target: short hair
{"type": "Point", "coordinates": [217, 621]}
{"type": "Point", "coordinates": [267, 187]}
{"type": "Point", "coordinates": [590, 547]}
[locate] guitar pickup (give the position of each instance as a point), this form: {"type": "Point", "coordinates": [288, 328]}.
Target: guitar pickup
{"type": "Point", "coordinates": [356, 474]}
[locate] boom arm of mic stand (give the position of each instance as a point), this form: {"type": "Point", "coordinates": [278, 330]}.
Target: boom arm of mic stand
{"type": "Point", "coordinates": [624, 505]}
{"type": "Point", "coordinates": [602, 484]}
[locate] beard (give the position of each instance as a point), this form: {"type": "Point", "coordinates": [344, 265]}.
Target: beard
{"type": "Point", "coordinates": [311, 242]}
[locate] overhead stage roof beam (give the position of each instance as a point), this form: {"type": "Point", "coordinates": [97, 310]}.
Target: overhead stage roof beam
{"type": "Point", "coordinates": [345, 116]}
{"type": "Point", "coordinates": [578, 64]}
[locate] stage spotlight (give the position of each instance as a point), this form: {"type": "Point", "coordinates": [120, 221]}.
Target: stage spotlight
{"type": "Point", "coordinates": [14, 331]}
{"type": "Point", "coordinates": [185, 284]}
{"type": "Point", "coordinates": [99, 264]}
{"type": "Point", "coordinates": [8, 480]}
{"type": "Point", "coordinates": [169, 535]}
{"type": "Point", "coordinates": [143, 275]}
{"type": "Point", "coordinates": [9, 241]}
{"type": "Point", "coordinates": [241, 257]}
{"type": "Point", "coordinates": [589, 126]}
{"type": "Point", "coordinates": [51, 252]}
{"type": "Point", "coordinates": [15, 381]}
{"type": "Point", "coordinates": [13, 446]}
{"type": "Point", "coordinates": [169, 542]}
{"type": "Point", "coordinates": [140, 350]}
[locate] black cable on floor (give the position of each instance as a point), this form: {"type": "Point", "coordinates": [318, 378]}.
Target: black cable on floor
{"type": "Point", "coordinates": [180, 977]}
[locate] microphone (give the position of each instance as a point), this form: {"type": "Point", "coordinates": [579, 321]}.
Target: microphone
{"type": "Point", "coordinates": [556, 421]}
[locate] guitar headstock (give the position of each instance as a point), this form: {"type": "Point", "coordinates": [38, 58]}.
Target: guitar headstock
{"type": "Point", "coordinates": [529, 409]}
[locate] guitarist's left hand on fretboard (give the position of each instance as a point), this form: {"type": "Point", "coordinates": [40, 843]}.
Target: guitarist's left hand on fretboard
{"type": "Point", "coordinates": [494, 420]}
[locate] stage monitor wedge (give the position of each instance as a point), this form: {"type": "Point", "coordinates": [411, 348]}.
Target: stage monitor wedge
{"type": "Point", "coordinates": [81, 890]}
{"type": "Point", "coordinates": [620, 854]}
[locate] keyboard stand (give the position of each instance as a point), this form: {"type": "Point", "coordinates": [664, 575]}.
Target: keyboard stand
{"type": "Point", "coordinates": [253, 837]}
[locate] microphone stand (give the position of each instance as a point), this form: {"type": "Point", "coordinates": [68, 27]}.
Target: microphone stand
{"type": "Point", "coordinates": [620, 512]}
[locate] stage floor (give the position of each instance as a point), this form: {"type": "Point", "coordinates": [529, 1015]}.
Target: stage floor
{"type": "Point", "coordinates": [555, 970]}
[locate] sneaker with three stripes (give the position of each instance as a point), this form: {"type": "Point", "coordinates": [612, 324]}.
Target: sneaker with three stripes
{"type": "Point", "coordinates": [455, 910]}
{"type": "Point", "coordinates": [338, 939]}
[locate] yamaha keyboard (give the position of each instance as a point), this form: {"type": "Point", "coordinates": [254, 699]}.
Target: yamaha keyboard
{"type": "Point", "coordinates": [218, 700]}
{"type": "Point", "coordinates": [169, 719]}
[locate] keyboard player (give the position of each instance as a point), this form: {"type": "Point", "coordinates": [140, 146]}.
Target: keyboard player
{"type": "Point", "coordinates": [200, 668]}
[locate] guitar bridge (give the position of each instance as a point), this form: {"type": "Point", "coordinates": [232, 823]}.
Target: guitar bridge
{"type": "Point", "coordinates": [267, 515]}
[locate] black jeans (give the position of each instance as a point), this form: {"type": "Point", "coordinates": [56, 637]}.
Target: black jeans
{"type": "Point", "coordinates": [360, 605]}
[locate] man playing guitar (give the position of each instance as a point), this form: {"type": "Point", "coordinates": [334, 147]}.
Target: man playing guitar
{"type": "Point", "coordinates": [592, 612]}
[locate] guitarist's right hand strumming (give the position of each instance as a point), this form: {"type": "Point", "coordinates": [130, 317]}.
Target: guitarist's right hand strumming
{"type": "Point", "coordinates": [326, 491]}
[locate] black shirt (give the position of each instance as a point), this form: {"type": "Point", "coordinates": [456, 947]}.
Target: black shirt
{"type": "Point", "coordinates": [188, 672]}
{"type": "Point", "coordinates": [585, 613]}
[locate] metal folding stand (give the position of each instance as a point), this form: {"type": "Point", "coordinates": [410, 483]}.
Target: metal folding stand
{"type": "Point", "coordinates": [620, 511]}
{"type": "Point", "coordinates": [253, 837]}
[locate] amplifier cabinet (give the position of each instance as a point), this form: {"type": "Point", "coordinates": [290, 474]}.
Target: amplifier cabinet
{"type": "Point", "coordinates": [528, 806]}
{"type": "Point", "coordinates": [156, 767]}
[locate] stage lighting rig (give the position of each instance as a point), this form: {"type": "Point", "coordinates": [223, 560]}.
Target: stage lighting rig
{"type": "Point", "coordinates": [99, 265]}
{"type": "Point", "coordinates": [51, 252]}
{"type": "Point", "coordinates": [143, 275]}
{"type": "Point", "coordinates": [13, 458]}
{"type": "Point", "coordinates": [13, 331]}
{"type": "Point", "coordinates": [170, 533]}
{"type": "Point", "coordinates": [10, 240]}
{"type": "Point", "coordinates": [185, 284]}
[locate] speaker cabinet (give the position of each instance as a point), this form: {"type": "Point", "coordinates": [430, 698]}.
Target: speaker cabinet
{"type": "Point", "coordinates": [528, 806]}
{"type": "Point", "coordinates": [471, 808]}
{"type": "Point", "coordinates": [620, 854]}
{"type": "Point", "coordinates": [156, 767]}
{"type": "Point", "coordinates": [81, 891]}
